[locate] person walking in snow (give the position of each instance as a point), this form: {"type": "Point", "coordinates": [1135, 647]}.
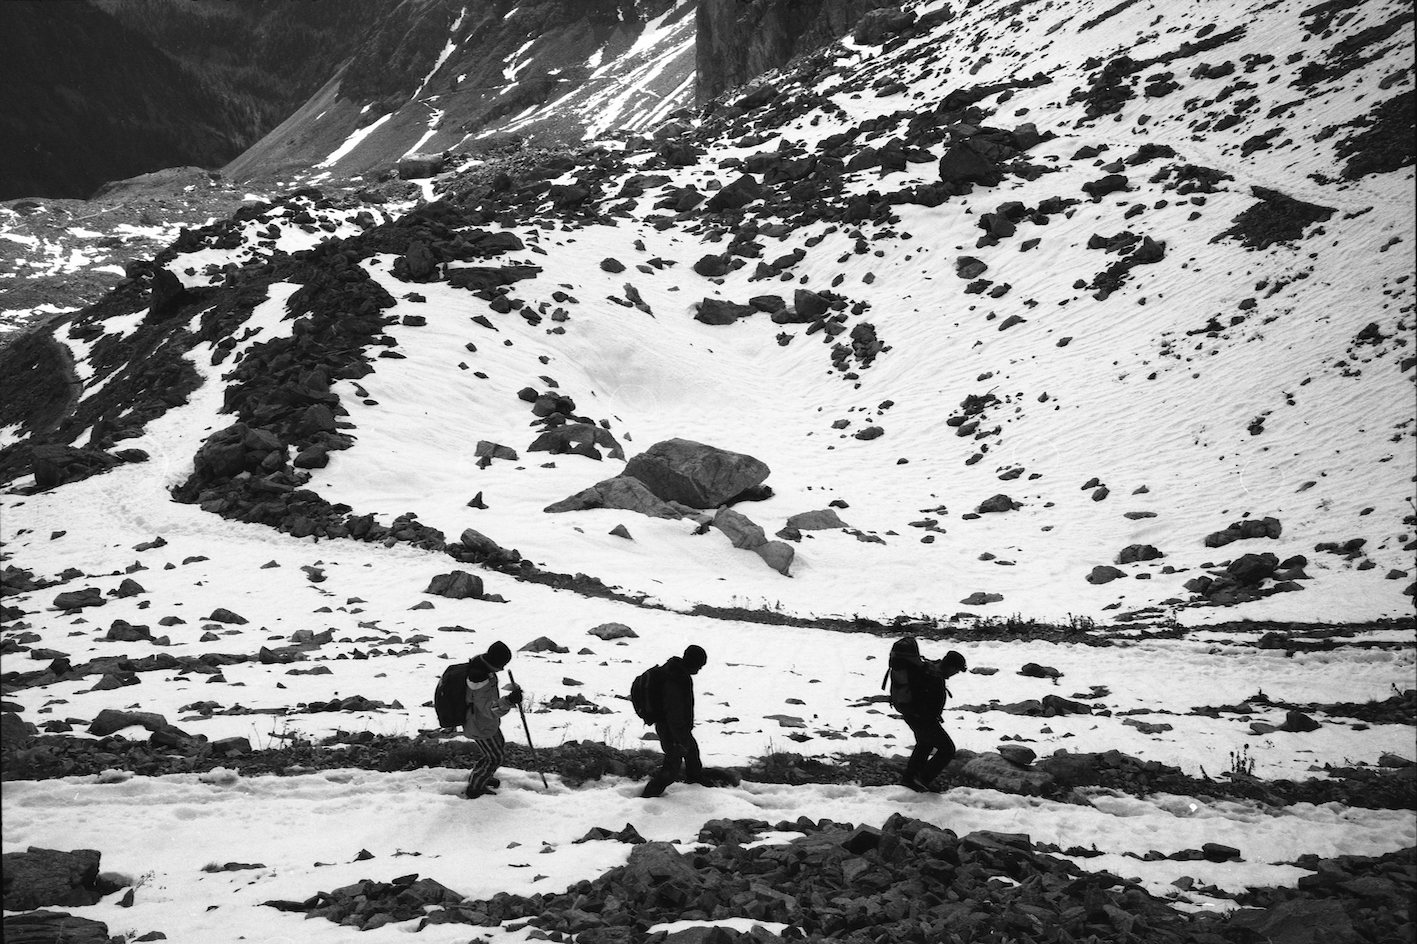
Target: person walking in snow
{"type": "Point", "coordinates": [674, 723]}
{"type": "Point", "coordinates": [483, 724]}
{"type": "Point", "coordinates": [918, 692]}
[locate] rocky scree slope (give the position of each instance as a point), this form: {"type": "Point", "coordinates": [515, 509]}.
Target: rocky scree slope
{"type": "Point", "coordinates": [1184, 241]}
{"type": "Point", "coordinates": [436, 76]}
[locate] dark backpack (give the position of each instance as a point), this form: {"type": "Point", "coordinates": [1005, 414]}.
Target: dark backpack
{"type": "Point", "coordinates": [915, 689]}
{"type": "Point", "coordinates": [646, 694]}
{"type": "Point", "coordinates": [450, 696]}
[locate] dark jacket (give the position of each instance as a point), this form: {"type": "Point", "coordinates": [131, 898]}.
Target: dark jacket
{"type": "Point", "coordinates": [677, 698]}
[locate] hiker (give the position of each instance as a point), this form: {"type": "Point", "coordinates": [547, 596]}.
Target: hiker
{"type": "Point", "coordinates": [674, 721]}
{"type": "Point", "coordinates": [918, 692]}
{"type": "Point", "coordinates": [483, 723]}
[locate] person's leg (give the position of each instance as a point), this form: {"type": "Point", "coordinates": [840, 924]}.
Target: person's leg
{"type": "Point", "coordinates": [669, 770]}
{"type": "Point", "coordinates": [943, 747]}
{"type": "Point", "coordinates": [486, 765]}
{"type": "Point", "coordinates": [693, 764]}
{"type": "Point", "coordinates": [914, 767]}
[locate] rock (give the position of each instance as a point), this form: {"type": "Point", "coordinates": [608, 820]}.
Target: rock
{"type": "Point", "coordinates": [964, 164]}
{"type": "Point", "coordinates": [612, 265]}
{"type": "Point", "coordinates": [1216, 852]}
{"type": "Point", "coordinates": [1250, 569]}
{"type": "Point", "coordinates": [874, 27]}
{"type": "Point", "coordinates": [815, 520]}
{"type": "Point", "coordinates": [1297, 921]}
{"type": "Point", "coordinates": [809, 304]}
{"type": "Point", "coordinates": [695, 474]}
{"type": "Point", "coordinates": [736, 195]}
{"type": "Point", "coordinates": [1298, 722]}
{"type": "Point", "coordinates": [1017, 754]}
{"type": "Point", "coordinates": [1034, 670]}
{"type": "Point", "coordinates": [578, 439]}
{"type": "Point", "coordinates": [110, 720]}
{"type": "Point", "coordinates": [716, 311]}
{"type": "Point", "coordinates": [1133, 553]}
{"type": "Point", "coordinates": [543, 644]}
{"type": "Point", "coordinates": [56, 927]}
{"type": "Point", "coordinates": [981, 598]}
{"type": "Point", "coordinates": [222, 615]}
{"type": "Point", "coordinates": [128, 588]}
{"type": "Point", "coordinates": [621, 493]}
{"type": "Point", "coordinates": [620, 531]}
{"type": "Point", "coordinates": [996, 504]}
{"type": "Point", "coordinates": [77, 599]}
{"type": "Point", "coordinates": [613, 631]}
{"type": "Point", "coordinates": [713, 265]}
{"type": "Point", "coordinates": [1097, 189]}
{"type": "Point", "coordinates": [739, 528]}
{"type": "Point", "coordinates": [419, 166]}
{"type": "Point", "coordinates": [14, 730]}
{"type": "Point", "coordinates": [458, 585]}
{"type": "Point", "coordinates": [491, 450]}
{"type": "Point", "coordinates": [225, 747]}
{"type": "Point", "coordinates": [778, 556]}
{"type": "Point", "coordinates": [1104, 574]}
{"type": "Point", "coordinates": [994, 771]}
{"type": "Point", "coordinates": [39, 877]}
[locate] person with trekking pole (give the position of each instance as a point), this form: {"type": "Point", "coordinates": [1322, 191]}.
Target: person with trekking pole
{"type": "Point", "coordinates": [918, 692]}
{"type": "Point", "coordinates": [483, 721]}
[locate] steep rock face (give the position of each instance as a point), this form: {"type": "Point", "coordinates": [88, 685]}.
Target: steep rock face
{"type": "Point", "coordinates": [739, 40]}
{"type": "Point", "coordinates": [437, 75]}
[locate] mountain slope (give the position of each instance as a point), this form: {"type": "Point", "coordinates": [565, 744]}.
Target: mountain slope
{"type": "Point", "coordinates": [1144, 292]}
{"type": "Point", "coordinates": [436, 75]}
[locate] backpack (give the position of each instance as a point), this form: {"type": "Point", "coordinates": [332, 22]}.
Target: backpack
{"type": "Point", "coordinates": [450, 696]}
{"type": "Point", "coordinates": [646, 694]}
{"type": "Point", "coordinates": [915, 691]}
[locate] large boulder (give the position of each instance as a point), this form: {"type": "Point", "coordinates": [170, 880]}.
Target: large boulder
{"type": "Point", "coordinates": [418, 166]}
{"type": "Point", "coordinates": [695, 474]}
{"type": "Point", "coordinates": [458, 585]}
{"type": "Point", "coordinates": [993, 770]}
{"type": "Point", "coordinates": [716, 311]}
{"type": "Point", "coordinates": [110, 720]}
{"type": "Point", "coordinates": [41, 877]}
{"type": "Point", "coordinates": [50, 927]}
{"type": "Point", "coordinates": [621, 493]}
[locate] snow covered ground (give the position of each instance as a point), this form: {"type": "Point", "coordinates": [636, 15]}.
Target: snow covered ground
{"type": "Point", "coordinates": [1156, 394]}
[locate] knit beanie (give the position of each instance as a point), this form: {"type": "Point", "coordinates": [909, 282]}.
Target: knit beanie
{"type": "Point", "coordinates": [498, 655]}
{"type": "Point", "coordinates": [695, 658]}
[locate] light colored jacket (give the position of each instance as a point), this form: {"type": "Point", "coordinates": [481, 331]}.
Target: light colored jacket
{"type": "Point", "coordinates": [485, 708]}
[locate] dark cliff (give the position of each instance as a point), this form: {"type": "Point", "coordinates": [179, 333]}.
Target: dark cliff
{"type": "Point", "coordinates": [739, 40]}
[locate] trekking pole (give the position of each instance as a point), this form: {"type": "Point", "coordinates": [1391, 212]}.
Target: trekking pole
{"type": "Point", "coordinates": [527, 728]}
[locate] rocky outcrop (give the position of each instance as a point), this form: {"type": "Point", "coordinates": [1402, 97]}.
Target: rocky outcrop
{"type": "Point", "coordinates": [695, 474]}
{"type": "Point", "coordinates": [54, 927]}
{"type": "Point", "coordinates": [737, 41]}
{"type": "Point", "coordinates": [39, 877]}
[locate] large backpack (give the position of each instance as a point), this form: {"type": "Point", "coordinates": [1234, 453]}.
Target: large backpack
{"type": "Point", "coordinates": [914, 691]}
{"type": "Point", "coordinates": [646, 694]}
{"type": "Point", "coordinates": [450, 696]}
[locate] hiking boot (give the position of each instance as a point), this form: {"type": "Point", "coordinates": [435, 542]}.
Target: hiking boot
{"type": "Point", "coordinates": [473, 793]}
{"type": "Point", "coordinates": [914, 783]}
{"type": "Point", "coordinates": [494, 783]}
